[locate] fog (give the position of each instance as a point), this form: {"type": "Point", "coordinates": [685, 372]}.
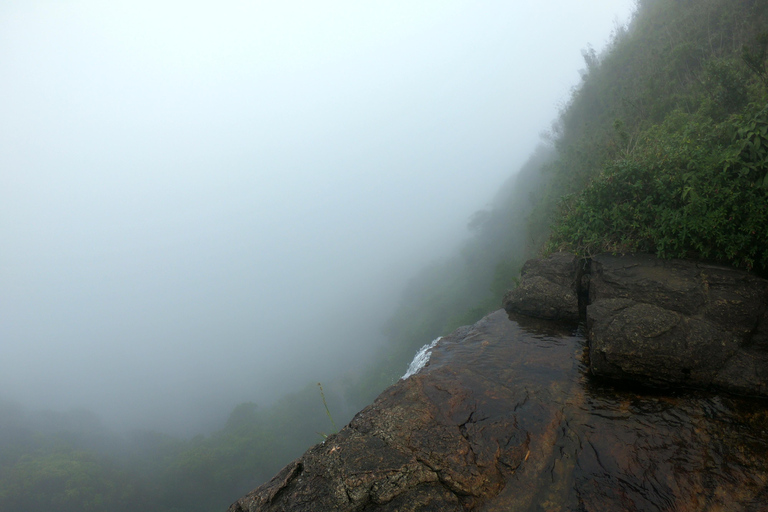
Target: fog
{"type": "Point", "coordinates": [204, 203]}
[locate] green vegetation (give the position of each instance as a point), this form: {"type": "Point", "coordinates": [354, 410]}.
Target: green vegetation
{"type": "Point", "coordinates": [690, 188]}
{"type": "Point", "coordinates": [327, 411]}
{"type": "Point", "coordinates": [49, 462]}
{"type": "Point", "coordinates": [663, 147]}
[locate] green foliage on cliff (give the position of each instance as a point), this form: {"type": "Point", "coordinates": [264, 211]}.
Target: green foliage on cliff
{"type": "Point", "coordinates": [663, 148]}
{"type": "Point", "coordinates": [690, 188]}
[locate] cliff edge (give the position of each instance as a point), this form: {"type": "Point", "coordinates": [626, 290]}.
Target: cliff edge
{"type": "Point", "coordinates": [505, 417]}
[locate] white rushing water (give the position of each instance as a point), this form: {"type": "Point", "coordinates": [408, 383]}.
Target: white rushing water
{"type": "Point", "coordinates": [421, 358]}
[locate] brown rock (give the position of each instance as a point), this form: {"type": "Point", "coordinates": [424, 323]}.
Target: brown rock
{"type": "Point", "coordinates": [731, 298]}
{"type": "Point", "coordinates": [503, 418]}
{"type": "Point", "coordinates": [434, 441]}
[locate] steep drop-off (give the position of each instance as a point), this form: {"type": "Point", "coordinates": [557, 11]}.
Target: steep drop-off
{"type": "Point", "coordinates": [504, 417]}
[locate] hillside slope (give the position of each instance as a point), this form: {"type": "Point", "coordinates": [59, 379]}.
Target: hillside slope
{"type": "Point", "coordinates": [664, 147]}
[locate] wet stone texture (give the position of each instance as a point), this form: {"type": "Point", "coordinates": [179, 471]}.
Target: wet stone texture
{"type": "Point", "coordinates": [504, 418]}
{"type": "Point", "coordinates": [675, 322]}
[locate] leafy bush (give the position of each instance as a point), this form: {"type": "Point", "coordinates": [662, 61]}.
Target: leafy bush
{"type": "Point", "coordinates": [691, 188]}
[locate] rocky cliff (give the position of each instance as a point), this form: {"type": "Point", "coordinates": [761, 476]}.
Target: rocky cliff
{"type": "Point", "coordinates": [506, 417]}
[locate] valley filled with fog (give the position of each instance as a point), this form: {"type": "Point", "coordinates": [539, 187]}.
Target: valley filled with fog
{"type": "Point", "coordinates": [208, 204]}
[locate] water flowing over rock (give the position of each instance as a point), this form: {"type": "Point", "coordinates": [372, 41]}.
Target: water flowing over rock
{"type": "Point", "coordinates": [505, 418]}
{"type": "Point", "coordinates": [421, 358]}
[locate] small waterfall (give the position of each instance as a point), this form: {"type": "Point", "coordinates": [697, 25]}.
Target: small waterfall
{"type": "Point", "coordinates": [421, 358]}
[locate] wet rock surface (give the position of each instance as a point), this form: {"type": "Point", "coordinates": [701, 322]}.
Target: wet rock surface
{"type": "Point", "coordinates": [504, 417]}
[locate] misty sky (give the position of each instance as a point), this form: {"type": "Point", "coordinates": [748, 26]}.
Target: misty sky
{"type": "Point", "coordinates": [204, 203]}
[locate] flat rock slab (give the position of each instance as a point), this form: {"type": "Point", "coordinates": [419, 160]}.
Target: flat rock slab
{"type": "Point", "coordinates": [733, 299]}
{"type": "Point", "coordinates": [504, 418]}
{"type": "Point", "coordinates": [677, 323]}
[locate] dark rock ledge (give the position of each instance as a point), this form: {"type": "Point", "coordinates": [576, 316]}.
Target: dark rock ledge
{"type": "Point", "coordinates": [505, 418]}
{"type": "Point", "coordinates": [658, 322]}
{"type": "Point", "coordinates": [446, 439]}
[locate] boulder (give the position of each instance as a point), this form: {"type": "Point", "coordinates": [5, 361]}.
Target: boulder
{"type": "Point", "coordinates": [548, 288]}
{"type": "Point", "coordinates": [675, 322]}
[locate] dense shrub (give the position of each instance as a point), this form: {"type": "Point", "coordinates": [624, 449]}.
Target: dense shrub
{"type": "Point", "coordinates": [690, 188]}
{"type": "Point", "coordinates": [664, 146]}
